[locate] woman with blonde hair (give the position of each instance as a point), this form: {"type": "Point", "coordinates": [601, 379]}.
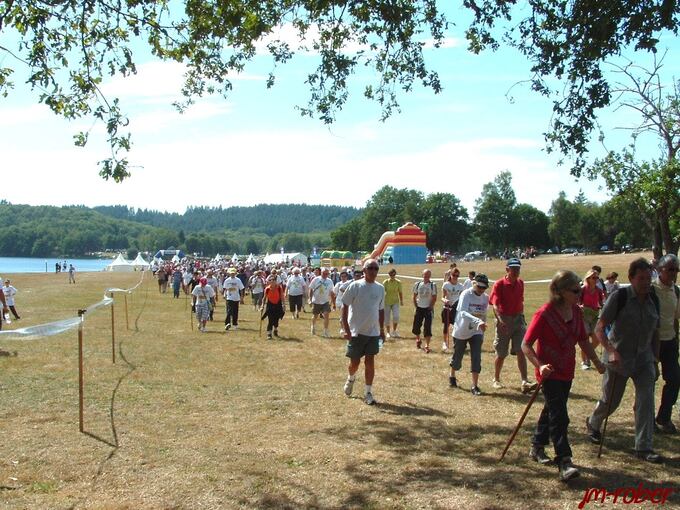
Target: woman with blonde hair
{"type": "Point", "coordinates": [555, 329]}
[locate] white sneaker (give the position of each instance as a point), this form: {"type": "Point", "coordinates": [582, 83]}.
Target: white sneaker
{"type": "Point", "coordinates": [312, 330]}
{"type": "Point", "coordinates": [387, 336]}
{"type": "Point", "coordinates": [585, 366]}
{"type": "Point", "coordinates": [395, 335]}
{"type": "Point", "coordinates": [326, 334]}
{"type": "Point", "coordinates": [369, 399]}
{"type": "Point", "coordinates": [445, 347]}
{"type": "Point", "coordinates": [528, 387]}
{"type": "Point", "coordinates": [234, 327]}
{"type": "Point", "coordinates": [349, 384]}
{"type": "Point", "coordinates": [497, 385]}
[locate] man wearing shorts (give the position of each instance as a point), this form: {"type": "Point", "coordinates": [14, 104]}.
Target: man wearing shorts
{"type": "Point", "coordinates": [295, 290]}
{"type": "Point", "coordinates": [363, 318]}
{"type": "Point", "coordinates": [320, 297]}
{"type": "Point", "coordinates": [507, 298]}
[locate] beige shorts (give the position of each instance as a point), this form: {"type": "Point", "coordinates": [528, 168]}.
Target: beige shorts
{"type": "Point", "coordinates": [517, 327]}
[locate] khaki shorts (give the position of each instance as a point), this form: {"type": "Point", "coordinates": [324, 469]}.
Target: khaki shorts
{"type": "Point", "coordinates": [590, 316]}
{"type": "Point", "coordinates": [517, 327]}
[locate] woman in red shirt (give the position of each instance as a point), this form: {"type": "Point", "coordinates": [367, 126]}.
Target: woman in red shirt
{"type": "Point", "coordinates": [590, 300]}
{"type": "Point", "coordinates": [556, 328]}
{"type": "Point", "coordinates": [273, 294]}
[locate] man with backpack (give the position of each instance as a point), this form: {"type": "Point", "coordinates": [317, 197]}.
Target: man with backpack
{"type": "Point", "coordinates": [669, 307]}
{"type": "Point", "coordinates": [632, 350]}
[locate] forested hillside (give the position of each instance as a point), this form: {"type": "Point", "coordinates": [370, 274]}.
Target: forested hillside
{"type": "Point", "coordinates": [268, 219]}
{"type": "Point", "coordinates": [42, 231]}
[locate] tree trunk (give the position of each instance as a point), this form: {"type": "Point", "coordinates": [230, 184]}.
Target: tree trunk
{"type": "Point", "coordinates": [669, 244]}
{"type": "Point", "coordinates": [658, 240]}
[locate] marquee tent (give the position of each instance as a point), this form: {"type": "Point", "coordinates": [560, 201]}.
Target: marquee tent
{"type": "Point", "coordinates": [120, 265]}
{"type": "Point", "coordinates": [140, 263]}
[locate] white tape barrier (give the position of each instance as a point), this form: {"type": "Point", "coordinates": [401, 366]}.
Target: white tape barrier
{"type": "Point", "coordinates": [58, 327]}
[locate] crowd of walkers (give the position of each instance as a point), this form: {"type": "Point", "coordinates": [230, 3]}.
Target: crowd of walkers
{"type": "Point", "coordinates": [635, 325]}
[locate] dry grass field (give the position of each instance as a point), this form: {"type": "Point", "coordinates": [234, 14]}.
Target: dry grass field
{"type": "Point", "coordinates": [185, 420]}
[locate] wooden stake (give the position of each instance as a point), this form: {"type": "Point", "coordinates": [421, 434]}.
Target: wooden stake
{"type": "Point", "coordinates": [113, 333]}
{"type": "Point", "coordinates": [127, 323]}
{"type": "Point", "coordinates": [81, 426]}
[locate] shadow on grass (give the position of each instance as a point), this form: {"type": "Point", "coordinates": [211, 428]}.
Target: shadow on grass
{"type": "Point", "coordinates": [409, 409]}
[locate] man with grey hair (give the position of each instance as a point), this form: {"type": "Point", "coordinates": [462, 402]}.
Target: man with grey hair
{"type": "Point", "coordinates": [424, 298]}
{"type": "Point", "coordinates": [632, 348]}
{"type": "Point", "coordinates": [669, 310]}
{"type": "Point", "coordinates": [363, 318]}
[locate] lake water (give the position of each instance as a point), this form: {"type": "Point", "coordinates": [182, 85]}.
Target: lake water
{"type": "Point", "coordinates": [36, 265]}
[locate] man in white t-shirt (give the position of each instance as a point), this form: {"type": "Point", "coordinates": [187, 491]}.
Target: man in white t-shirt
{"type": "Point", "coordinates": [363, 320]}
{"type": "Point", "coordinates": [215, 284]}
{"type": "Point", "coordinates": [320, 297]}
{"type": "Point", "coordinates": [232, 287]}
{"type": "Point", "coordinates": [339, 291]}
{"type": "Point", "coordinates": [10, 291]}
{"type": "Point", "coordinates": [295, 290]}
{"type": "Point", "coordinates": [424, 298]}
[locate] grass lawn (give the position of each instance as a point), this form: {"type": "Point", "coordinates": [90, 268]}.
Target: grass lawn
{"type": "Point", "coordinates": [186, 420]}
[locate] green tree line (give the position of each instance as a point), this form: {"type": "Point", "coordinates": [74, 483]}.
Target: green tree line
{"type": "Point", "coordinates": [499, 221]}
{"type": "Point", "coordinates": [45, 231]}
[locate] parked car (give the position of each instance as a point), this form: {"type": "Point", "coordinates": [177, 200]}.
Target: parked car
{"type": "Point", "coordinates": [569, 250]}
{"type": "Point", "coordinates": [474, 255]}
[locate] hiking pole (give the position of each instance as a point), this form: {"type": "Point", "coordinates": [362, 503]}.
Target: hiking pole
{"type": "Point", "coordinates": [606, 419]}
{"type": "Point", "coordinates": [521, 420]}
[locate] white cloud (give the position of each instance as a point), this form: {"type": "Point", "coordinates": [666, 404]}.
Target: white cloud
{"type": "Point", "coordinates": [158, 82]}
{"type": "Point", "coordinates": [29, 114]}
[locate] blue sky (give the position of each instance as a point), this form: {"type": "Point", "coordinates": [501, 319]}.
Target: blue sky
{"type": "Point", "coordinates": [255, 148]}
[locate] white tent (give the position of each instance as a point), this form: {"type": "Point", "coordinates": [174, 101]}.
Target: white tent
{"type": "Point", "coordinates": [234, 259]}
{"type": "Point", "coordinates": [251, 259]}
{"type": "Point", "coordinates": [120, 265]}
{"type": "Point", "coordinates": [140, 263]}
{"type": "Point", "coordinates": [298, 258]}
{"type": "Point", "coordinates": [176, 259]}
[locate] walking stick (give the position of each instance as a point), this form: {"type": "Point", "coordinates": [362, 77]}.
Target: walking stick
{"type": "Point", "coordinates": [521, 420]}
{"type": "Point", "coordinates": [191, 314]}
{"type": "Point", "coordinates": [447, 322]}
{"type": "Point", "coordinates": [606, 419]}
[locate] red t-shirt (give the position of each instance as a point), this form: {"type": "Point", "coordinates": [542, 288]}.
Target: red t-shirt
{"type": "Point", "coordinates": [273, 294]}
{"type": "Point", "coordinates": [592, 299]}
{"type": "Point", "coordinates": [507, 296]}
{"type": "Point", "coordinates": [556, 340]}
